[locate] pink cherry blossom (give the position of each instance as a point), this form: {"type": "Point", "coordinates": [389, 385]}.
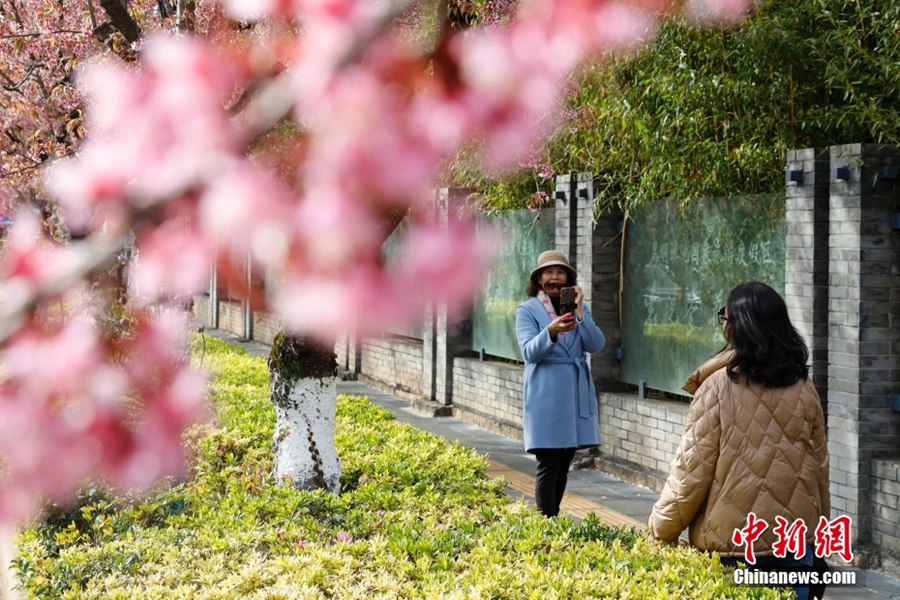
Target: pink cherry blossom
{"type": "Point", "coordinates": [446, 263]}
{"type": "Point", "coordinates": [75, 414]}
{"type": "Point", "coordinates": [174, 242]}
{"type": "Point", "coordinates": [369, 120]}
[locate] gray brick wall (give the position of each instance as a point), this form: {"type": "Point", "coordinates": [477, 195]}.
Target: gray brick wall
{"type": "Point", "coordinates": [886, 500]}
{"type": "Point", "coordinates": [200, 311]}
{"type": "Point", "coordinates": [863, 341]}
{"type": "Point", "coordinates": [639, 436]}
{"type": "Point", "coordinates": [265, 327]}
{"type": "Point", "coordinates": [231, 317]}
{"type": "Point", "coordinates": [806, 255]}
{"type": "Point", "coordinates": [489, 394]}
{"type": "Point", "coordinates": [394, 364]}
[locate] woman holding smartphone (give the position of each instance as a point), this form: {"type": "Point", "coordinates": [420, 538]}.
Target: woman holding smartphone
{"type": "Point", "coordinates": [555, 330]}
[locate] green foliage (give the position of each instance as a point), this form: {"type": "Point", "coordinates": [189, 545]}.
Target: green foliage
{"type": "Point", "coordinates": [417, 518]}
{"type": "Point", "coordinates": [706, 112]}
{"type": "Point", "coordinates": [679, 334]}
{"type": "Point", "coordinates": [524, 188]}
{"type": "Point", "coordinates": [293, 358]}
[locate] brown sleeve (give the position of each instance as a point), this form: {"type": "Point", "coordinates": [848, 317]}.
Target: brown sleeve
{"type": "Point", "coordinates": [692, 470]}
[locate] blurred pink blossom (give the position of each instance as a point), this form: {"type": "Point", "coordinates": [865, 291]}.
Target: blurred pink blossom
{"type": "Point", "coordinates": [168, 157]}
{"type": "Point", "coordinates": [722, 11]}
{"type": "Point", "coordinates": [155, 134]}
{"type": "Point", "coordinates": [74, 415]}
{"type": "Point", "coordinates": [172, 243]}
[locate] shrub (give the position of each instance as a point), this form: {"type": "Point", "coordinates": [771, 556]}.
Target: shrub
{"type": "Point", "coordinates": [417, 518]}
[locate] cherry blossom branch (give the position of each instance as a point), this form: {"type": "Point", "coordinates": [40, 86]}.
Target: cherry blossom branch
{"type": "Point", "coordinates": [121, 19]}
{"type": "Point", "coordinates": [36, 165]}
{"type": "Point", "coordinates": [42, 33]}
{"type": "Point", "coordinates": [85, 257]}
{"type": "Point", "coordinates": [17, 87]}
{"type": "Point", "coordinates": [373, 119]}
{"type": "Point", "coordinates": [274, 100]}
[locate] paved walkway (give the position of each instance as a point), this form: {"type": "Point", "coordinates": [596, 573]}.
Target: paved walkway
{"type": "Point", "coordinates": [613, 500]}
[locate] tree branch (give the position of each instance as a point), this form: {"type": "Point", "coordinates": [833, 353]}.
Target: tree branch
{"type": "Point", "coordinates": [35, 165]}
{"type": "Point", "coordinates": [121, 19]}
{"type": "Point", "coordinates": [165, 8]}
{"type": "Point", "coordinates": [89, 254]}
{"type": "Point", "coordinates": [274, 100]}
{"type": "Point", "coordinates": [40, 33]}
{"type": "Point", "coordinates": [91, 14]}
{"type": "Point", "coordinates": [185, 18]}
{"type": "Point", "coordinates": [17, 87]}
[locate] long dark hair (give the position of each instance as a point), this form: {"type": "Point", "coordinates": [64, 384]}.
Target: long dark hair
{"type": "Point", "coordinates": [768, 349]}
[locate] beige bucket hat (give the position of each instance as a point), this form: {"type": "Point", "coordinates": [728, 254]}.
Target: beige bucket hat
{"type": "Point", "coordinates": [549, 258]}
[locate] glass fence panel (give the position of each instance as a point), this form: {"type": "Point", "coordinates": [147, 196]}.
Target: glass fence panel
{"type": "Point", "coordinates": [516, 238]}
{"type": "Point", "coordinates": [392, 248]}
{"type": "Point", "coordinates": [679, 267]}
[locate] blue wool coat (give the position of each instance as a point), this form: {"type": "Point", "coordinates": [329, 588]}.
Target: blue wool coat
{"type": "Point", "coordinates": [560, 401]}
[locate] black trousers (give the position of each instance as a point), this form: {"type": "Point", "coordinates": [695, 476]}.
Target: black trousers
{"type": "Point", "coordinates": [551, 477]}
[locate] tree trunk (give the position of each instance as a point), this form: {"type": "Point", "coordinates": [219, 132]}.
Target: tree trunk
{"type": "Point", "coordinates": [121, 19]}
{"type": "Point", "coordinates": [303, 386]}
{"type": "Point", "coordinates": [305, 455]}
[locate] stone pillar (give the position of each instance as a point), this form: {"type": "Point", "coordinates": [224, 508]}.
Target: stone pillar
{"type": "Point", "coordinates": [581, 215]}
{"type": "Point", "coordinates": [429, 346]}
{"type": "Point", "coordinates": [597, 258]}
{"type": "Point", "coordinates": [806, 255]}
{"type": "Point", "coordinates": [345, 350]}
{"type": "Point", "coordinates": [449, 337]}
{"type": "Point", "coordinates": [566, 215]}
{"type": "Point", "coordinates": [354, 355]}
{"type": "Point", "coordinates": [247, 301]}
{"type": "Point", "coordinates": [864, 332]}
{"type": "Point", "coordinates": [212, 317]}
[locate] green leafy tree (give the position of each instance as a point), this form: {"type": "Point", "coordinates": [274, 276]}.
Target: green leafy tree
{"type": "Point", "coordinates": [706, 112]}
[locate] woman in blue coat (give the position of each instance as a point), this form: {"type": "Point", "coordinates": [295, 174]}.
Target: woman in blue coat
{"type": "Point", "coordinates": [560, 410]}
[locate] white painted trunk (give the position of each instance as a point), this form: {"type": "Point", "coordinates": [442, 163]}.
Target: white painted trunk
{"type": "Point", "coordinates": [305, 456]}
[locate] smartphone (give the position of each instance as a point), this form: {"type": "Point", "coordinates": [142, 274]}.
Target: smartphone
{"type": "Point", "coordinates": [567, 300]}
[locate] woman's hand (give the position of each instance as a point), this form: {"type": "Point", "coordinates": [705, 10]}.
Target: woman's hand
{"type": "Point", "coordinates": [561, 325]}
{"type": "Point", "coordinates": [579, 298]}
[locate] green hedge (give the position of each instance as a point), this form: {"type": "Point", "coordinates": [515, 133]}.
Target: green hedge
{"type": "Point", "coordinates": [418, 518]}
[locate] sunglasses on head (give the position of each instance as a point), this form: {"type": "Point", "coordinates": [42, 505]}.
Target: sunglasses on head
{"type": "Point", "coordinates": [721, 315]}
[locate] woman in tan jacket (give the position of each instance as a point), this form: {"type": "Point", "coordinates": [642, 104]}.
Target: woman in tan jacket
{"type": "Point", "coordinates": [754, 441]}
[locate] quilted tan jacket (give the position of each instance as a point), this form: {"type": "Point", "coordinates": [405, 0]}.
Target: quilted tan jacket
{"type": "Point", "coordinates": [745, 448]}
